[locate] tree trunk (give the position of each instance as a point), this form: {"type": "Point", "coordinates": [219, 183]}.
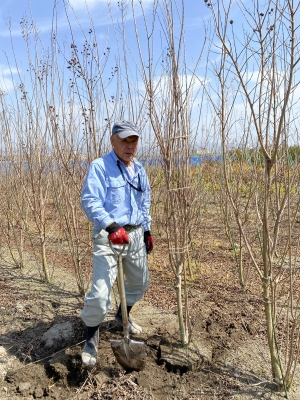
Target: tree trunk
{"type": "Point", "coordinates": [44, 262]}
{"type": "Point", "coordinates": [183, 331]}
{"type": "Point", "coordinates": [267, 278]}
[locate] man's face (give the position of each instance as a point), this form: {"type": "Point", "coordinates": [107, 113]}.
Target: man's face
{"type": "Point", "coordinates": [126, 148]}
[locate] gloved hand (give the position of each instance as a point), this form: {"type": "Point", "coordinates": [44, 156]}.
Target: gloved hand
{"type": "Point", "coordinates": [117, 234]}
{"type": "Point", "coordinates": [148, 241]}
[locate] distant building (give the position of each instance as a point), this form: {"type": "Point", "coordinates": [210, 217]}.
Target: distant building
{"type": "Point", "coordinates": [202, 151]}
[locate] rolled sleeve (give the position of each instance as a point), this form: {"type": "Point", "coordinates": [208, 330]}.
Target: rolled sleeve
{"type": "Point", "coordinates": [146, 207]}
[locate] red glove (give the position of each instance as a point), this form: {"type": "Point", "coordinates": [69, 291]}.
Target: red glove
{"type": "Point", "coordinates": [117, 234]}
{"type": "Point", "coordinates": [148, 241]}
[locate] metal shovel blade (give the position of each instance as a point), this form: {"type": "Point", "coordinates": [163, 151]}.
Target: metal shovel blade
{"type": "Point", "coordinates": [130, 354]}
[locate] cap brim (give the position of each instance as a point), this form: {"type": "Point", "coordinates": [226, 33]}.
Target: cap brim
{"type": "Point", "coordinates": [125, 134]}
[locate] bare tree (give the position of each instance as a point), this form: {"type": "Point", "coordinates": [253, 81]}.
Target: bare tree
{"type": "Point", "coordinates": [260, 70]}
{"type": "Point", "coordinates": [55, 122]}
{"type": "Point", "coordinates": [169, 92]}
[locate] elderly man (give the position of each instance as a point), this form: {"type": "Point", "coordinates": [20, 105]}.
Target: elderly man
{"type": "Point", "coordinates": [116, 198]}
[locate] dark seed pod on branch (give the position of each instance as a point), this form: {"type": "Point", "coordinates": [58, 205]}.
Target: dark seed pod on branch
{"type": "Point", "coordinates": [231, 21]}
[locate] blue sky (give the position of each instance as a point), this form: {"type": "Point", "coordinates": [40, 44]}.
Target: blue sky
{"type": "Point", "coordinates": [82, 14]}
{"type": "Point", "coordinates": [41, 12]}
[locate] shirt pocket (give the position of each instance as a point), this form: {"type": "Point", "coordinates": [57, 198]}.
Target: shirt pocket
{"type": "Point", "coordinates": [139, 197]}
{"type": "Point", "coordinates": [115, 191]}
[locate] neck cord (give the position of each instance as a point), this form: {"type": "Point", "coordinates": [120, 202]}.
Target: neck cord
{"type": "Point", "coordinates": [139, 188]}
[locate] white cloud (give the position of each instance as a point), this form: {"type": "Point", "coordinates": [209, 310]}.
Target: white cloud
{"type": "Point", "coordinates": [91, 4]}
{"type": "Point", "coordinates": [6, 82]}
{"type": "Point", "coordinates": [13, 33]}
{"type": "Point", "coordinates": [191, 82]}
{"type": "Point", "coordinates": [8, 71]}
{"type": "Point", "coordinates": [80, 4]}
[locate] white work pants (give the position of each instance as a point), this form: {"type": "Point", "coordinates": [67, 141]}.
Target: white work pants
{"type": "Point", "coordinates": [98, 300]}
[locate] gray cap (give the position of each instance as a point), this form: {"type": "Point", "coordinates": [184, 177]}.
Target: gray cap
{"type": "Point", "coordinates": [125, 129]}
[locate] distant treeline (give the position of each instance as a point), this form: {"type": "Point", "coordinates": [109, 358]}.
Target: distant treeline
{"type": "Point", "coordinates": [193, 161]}
{"type": "Point", "coordinates": [252, 156]}
{"type": "Point", "coordinates": [256, 156]}
{"type": "Point", "coordinates": [8, 165]}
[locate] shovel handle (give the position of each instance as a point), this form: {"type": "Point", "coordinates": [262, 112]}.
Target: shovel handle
{"type": "Point", "coordinates": [121, 286]}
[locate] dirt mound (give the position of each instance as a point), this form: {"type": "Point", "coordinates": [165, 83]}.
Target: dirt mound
{"type": "Point", "coordinates": [41, 336]}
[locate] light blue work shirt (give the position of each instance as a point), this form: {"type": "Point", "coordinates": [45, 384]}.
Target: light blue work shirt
{"type": "Point", "coordinates": [108, 197]}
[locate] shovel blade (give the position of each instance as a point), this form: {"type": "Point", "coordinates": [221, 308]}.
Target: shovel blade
{"type": "Point", "coordinates": [130, 354]}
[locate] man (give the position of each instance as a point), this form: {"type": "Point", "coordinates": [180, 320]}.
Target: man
{"type": "Point", "coordinates": [116, 198]}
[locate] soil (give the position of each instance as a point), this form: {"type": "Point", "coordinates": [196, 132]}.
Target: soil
{"type": "Point", "coordinates": [227, 357]}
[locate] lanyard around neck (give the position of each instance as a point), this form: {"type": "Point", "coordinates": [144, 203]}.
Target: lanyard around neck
{"type": "Point", "coordinates": [139, 188]}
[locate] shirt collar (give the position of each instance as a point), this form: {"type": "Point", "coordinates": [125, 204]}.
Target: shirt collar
{"type": "Point", "coordinates": [134, 160]}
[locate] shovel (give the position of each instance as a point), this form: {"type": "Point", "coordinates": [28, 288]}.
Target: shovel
{"type": "Point", "coordinates": [130, 354]}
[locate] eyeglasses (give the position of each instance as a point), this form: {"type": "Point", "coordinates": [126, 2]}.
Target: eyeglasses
{"type": "Point", "coordinates": [139, 188]}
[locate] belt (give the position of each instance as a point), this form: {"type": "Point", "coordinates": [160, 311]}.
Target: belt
{"type": "Point", "coordinates": [130, 228]}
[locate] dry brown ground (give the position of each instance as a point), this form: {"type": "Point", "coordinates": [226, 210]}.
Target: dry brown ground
{"type": "Point", "coordinates": [227, 324]}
